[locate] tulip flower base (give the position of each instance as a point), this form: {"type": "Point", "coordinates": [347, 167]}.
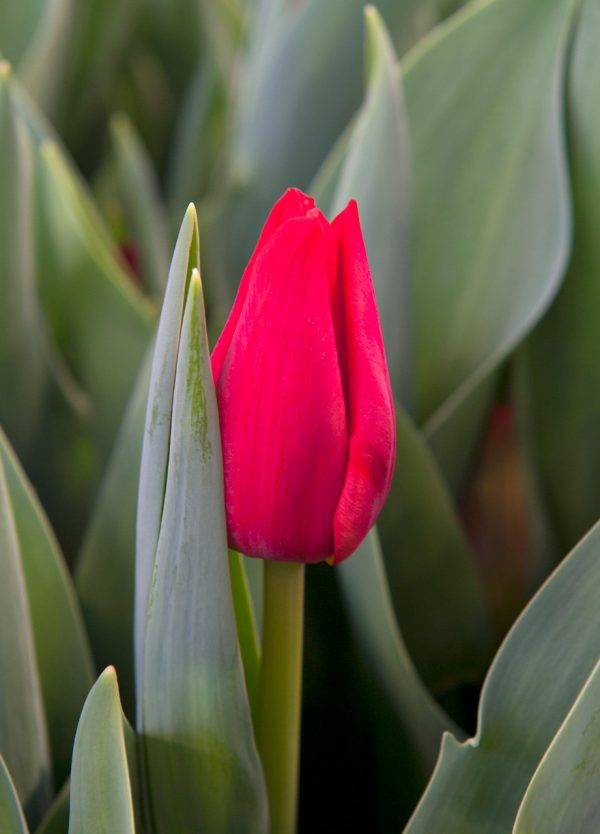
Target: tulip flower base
{"type": "Point", "coordinates": [280, 691]}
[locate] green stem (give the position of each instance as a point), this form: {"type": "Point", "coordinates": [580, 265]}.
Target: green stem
{"type": "Point", "coordinates": [280, 689]}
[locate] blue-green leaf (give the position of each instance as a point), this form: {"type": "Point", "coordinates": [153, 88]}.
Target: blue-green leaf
{"type": "Point", "coordinates": [103, 771]}
{"type": "Point", "coordinates": [201, 760]}
{"type": "Point", "coordinates": [477, 786]}
{"type": "Point", "coordinates": [63, 656]}
{"type": "Point", "coordinates": [12, 820]}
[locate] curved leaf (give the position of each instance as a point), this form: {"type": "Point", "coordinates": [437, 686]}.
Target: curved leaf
{"type": "Point", "coordinates": [375, 173]}
{"type": "Point", "coordinates": [12, 820]}
{"type": "Point", "coordinates": [477, 786]}
{"type": "Point", "coordinates": [563, 795]}
{"type": "Point", "coordinates": [62, 652]}
{"type": "Point", "coordinates": [365, 592]}
{"type": "Point", "coordinates": [202, 764]}
{"type": "Point", "coordinates": [562, 353]}
{"type": "Point", "coordinates": [23, 738]}
{"type": "Point", "coordinates": [427, 558]}
{"type": "Point", "coordinates": [102, 797]}
{"type": "Point", "coordinates": [490, 190]}
{"type": "Point", "coordinates": [201, 760]}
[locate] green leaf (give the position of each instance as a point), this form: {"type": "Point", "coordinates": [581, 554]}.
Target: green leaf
{"type": "Point", "coordinates": [199, 750]}
{"type": "Point", "coordinates": [550, 652]}
{"type": "Point", "coordinates": [366, 596]}
{"type": "Point", "coordinates": [156, 437]}
{"type": "Point", "coordinates": [12, 820]}
{"type": "Point", "coordinates": [63, 657]}
{"type": "Point", "coordinates": [563, 795]}
{"type": "Point", "coordinates": [102, 774]}
{"type": "Point", "coordinates": [34, 35]}
{"type": "Point", "coordinates": [56, 820]}
{"type": "Point", "coordinates": [562, 353]}
{"type": "Point", "coordinates": [375, 174]}
{"type": "Point", "coordinates": [246, 624]}
{"type": "Point", "coordinates": [23, 737]}
{"type": "Point", "coordinates": [490, 189]}
{"type": "Point", "coordinates": [138, 190]}
{"type": "Point", "coordinates": [23, 368]}
{"type": "Point", "coordinates": [427, 558]}
{"type": "Point", "coordinates": [105, 569]}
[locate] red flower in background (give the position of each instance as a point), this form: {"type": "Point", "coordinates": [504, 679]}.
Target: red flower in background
{"type": "Point", "coordinates": [305, 404]}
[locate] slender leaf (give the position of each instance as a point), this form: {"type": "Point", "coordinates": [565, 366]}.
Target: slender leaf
{"type": "Point", "coordinates": [200, 755]}
{"type": "Point", "coordinates": [563, 795]}
{"type": "Point", "coordinates": [139, 193]}
{"type": "Point", "coordinates": [102, 796]}
{"type": "Point", "coordinates": [531, 686]}
{"type": "Point", "coordinates": [375, 174]}
{"type": "Point", "coordinates": [427, 558]}
{"type": "Point", "coordinates": [22, 366]}
{"type": "Point", "coordinates": [12, 820]}
{"type": "Point", "coordinates": [56, 820]}
{"type": "Point", "coordinates": [490, 190]}
{"type": "Point", "coordinates": [246, 624]}
{"type": "Point", "coordinates": [105, 573]}
{"type": "Point", "coordinates": [23, 737]}
{"type": "Point", "coordinates": [371, 614]}
{"type": "Point", "coordinates": [63, 656]}
{"type": "Point", "coordinates": [155, 448]}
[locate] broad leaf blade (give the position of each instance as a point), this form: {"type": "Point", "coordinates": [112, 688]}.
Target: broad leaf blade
{"type": "Point", "coordinates": [101, 798]}
{"type": "Point", "coordinates": [491, 202]}
{"type": "Point", "coordinates": [562, 353]}
{"type": "Point", "coordinates": [199, 750]}
{"type": "Point", "coordinates": [477, 786]}
{"type": "Point", "coordinates": [563, 795]}
{"type": "Point", "coordinates": [62, 653]}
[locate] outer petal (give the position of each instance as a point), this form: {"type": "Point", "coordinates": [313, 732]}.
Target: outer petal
{"type": "Point", "coordinates": [293, 203]}
{"type": "Point", "coordinates": [372, 447]}
{"type": "Point", "coordinates": [281, 402]}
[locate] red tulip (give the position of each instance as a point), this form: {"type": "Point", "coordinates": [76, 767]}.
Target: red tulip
{"type": "Point", "coordinates": [305, 404]}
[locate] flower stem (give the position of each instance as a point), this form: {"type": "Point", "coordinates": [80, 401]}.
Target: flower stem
{"type": "Point", "coordinates": [280, 689]}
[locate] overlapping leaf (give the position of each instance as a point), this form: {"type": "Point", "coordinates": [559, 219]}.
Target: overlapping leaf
{"type": "Point", "coordinates": [201, 760]}
{"type": "Point", "coordinates": [536, 677]}
{"type": "Point", "coordinates": [62, 654]}
{"type": "Point", "coordinates": [562, 353]}
{"type": "Point", "coordinates": [490, 190]}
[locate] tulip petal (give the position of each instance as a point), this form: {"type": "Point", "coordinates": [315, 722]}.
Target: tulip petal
{"type": "Point", "coordinates": [372, 445]}
{"type": "Point", "coordinates": [281, 401]}
{"type": "Point", "coordinates": [293, 203]}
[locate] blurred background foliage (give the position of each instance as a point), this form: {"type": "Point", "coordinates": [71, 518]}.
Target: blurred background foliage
{"type": "Point", "coordinates": [469, 133]}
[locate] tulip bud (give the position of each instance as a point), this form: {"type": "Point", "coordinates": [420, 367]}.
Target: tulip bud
{"type": "Point", "coordinates": [305, 403]}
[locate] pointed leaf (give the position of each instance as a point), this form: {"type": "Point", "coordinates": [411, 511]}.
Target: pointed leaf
{"type": "Point", "coordinates": [102, 798]}
{"type": "Point", "coordinates": [201, 759]}
{"type": "Point", "coordinates": [491, 202]}
{"type": "Point", "coordinates": [375, 174]}
{"type": "Point", "coordinates": [63, 656]}
{"type": "Point", "coordinates": [155, 450]}
{"type": "Point", "coordinates": [477, 786]}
